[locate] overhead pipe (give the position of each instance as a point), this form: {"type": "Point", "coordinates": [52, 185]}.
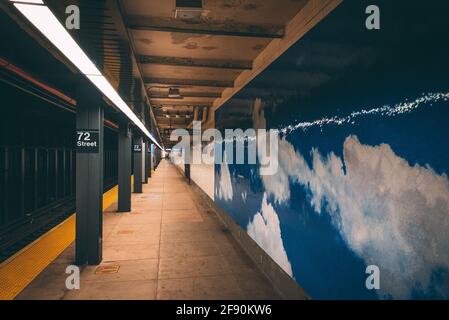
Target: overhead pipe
{"type": "Point", "coordinates": [26, 76]}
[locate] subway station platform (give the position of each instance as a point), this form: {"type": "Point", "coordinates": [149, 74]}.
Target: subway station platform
{"type": "Point", "coordinates": [223, 150]}
{"type": "Point", "coordinates": [169, 246]}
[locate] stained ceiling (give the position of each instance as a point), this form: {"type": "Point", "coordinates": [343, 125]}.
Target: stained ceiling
{"type": "Point", "coordinates": [200, 55]}
{"type": "Point", "coordinates": [175, 61]}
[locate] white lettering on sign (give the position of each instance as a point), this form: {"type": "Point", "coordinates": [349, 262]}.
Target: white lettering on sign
{"type": "Point", "coordinates": [84, 136]}
{"type": "Point", "coordinates": [86, 144]}
{"type": "Point", "coordinates": [87, 141]}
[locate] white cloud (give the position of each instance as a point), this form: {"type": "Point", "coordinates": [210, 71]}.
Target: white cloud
{"type": "Point", "coordinates": [258, 113]}
{"type": "Point", "coordinates": [225, 190]}
{"type": "Point", "coordinates": [289, 166]}
{"type": "Point", "coordinates": [266, 231]}
{"type": "Point", "coordinates": [244, 196]}
{"type": "Point", "coordinates": [276, 185]}
{"type": "Point", "coordinates": [390, 213]}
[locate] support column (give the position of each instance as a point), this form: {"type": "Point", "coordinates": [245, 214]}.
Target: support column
{"type": "Point", "coordinates": [204, 115]}
{"type": "Point", "coordinates": [137, 149]}
{"type": "Point", "coordinates": [195, 113]}
{"type": "Point", "coordinates": [187, 165]}
{"type": "Point", "coordinates": [148, 160]}
{"type": "Point", "coordinates": [158, 157]}
{"type": "Point", "coordinates": [187, 171]}
{"type": "Point", "coordinates": [124, 168]}
{"type": "Point", "coordinates": [145, 161]}
{"type": "Point", "coordinates": [89, 177]}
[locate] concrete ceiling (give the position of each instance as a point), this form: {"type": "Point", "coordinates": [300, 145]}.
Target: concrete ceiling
{"type": "Point", "coordinates": [201, 56]}
{"type": "Point", "coordinates": [144, 49]}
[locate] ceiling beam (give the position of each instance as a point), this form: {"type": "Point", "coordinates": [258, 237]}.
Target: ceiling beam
{"type": "Point", "coordinates": [189, 62]}
{"type": "Point", "coordinates": [172, 119]}
{"type": "Point", "coordinates": [188, 95]}
{"type": "Point", "coordinates": [189, 82]}
{"type": "Point", "coordinates": [180, 103]}
{"type": "Point", "coordinates": [117, 10]}
{"type": "Point", "coordinates": [313, 12]}
{"type": "Point", "coordinates": [172, 123]}
{"type": "Point", "coordinates": [234, 29]}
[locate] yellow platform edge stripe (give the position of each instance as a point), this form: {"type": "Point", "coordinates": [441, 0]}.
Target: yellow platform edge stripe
{"type": "Point", "coordinates": [22, 268]}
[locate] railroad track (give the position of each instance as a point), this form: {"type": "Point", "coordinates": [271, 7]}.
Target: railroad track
{"type": "Point", "coordinates": [17, 236]}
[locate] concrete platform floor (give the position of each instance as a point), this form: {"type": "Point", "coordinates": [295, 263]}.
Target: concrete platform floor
{"type": "Point", "coordinates": [168, 247]}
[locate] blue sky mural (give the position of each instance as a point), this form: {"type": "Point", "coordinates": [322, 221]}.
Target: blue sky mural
{"type": "Point", "coordinates": [363, 156]}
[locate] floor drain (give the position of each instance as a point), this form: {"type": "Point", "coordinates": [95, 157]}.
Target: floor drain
{"type": "Point", "coordinates": [107, 269]}
{"type": "Point", "coordinates": [125, 232]}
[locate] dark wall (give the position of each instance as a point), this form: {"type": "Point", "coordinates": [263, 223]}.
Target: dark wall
{"type": "Point", "coordinates": [37, 155]}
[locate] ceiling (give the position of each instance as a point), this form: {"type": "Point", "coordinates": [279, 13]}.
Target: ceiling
{"type": "Point", "coordinates": [200, 55]}
{"type": "Point", "coordinates": [147, 47]}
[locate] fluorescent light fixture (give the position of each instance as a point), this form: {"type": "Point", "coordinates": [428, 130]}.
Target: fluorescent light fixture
{"type": "Point", "coordinates": [174, 93]}
{"type": "Point", "coordinates": [44, 20]}
{"type": "Point", "coordinates": [105, 87]}
{"type": "Point", "coordinates": [29, 1]}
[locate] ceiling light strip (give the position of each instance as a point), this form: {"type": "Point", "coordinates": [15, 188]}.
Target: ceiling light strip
{"type": "Point", "coordinates": [44, 20]}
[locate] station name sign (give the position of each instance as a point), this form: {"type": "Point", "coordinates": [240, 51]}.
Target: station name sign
{"type": "Point", "coordinates": [137, 148]}
{"type": "Point", "coordinates": [87, 141]}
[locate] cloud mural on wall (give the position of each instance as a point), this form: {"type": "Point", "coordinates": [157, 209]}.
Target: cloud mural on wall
{"type": "Point", "coordinates": [225, 190]}
{"type": "Point", "coordinates": [259, 121]}
{"type": "Point", "coordinates": [276, 184]}
{"type": "Point", "coordinates": [266, 231]}
{"type": "Point", "coordinates": [363, 168]}
{"type": "Point", "coordinates": [395, 110]}
{"type": "Point", "coordinates": [390, 213]}
{"type": "Point", "coordinates": [244, 196]}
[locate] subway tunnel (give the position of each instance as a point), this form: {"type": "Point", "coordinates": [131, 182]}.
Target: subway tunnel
{"type": "Point", "coordinates": [224, 150]}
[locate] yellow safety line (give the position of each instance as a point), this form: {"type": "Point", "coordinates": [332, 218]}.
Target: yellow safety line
{"type": "Point", "coordinates": [18, 271]}
{"type": "Point", "coordinates": [110, 197]}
